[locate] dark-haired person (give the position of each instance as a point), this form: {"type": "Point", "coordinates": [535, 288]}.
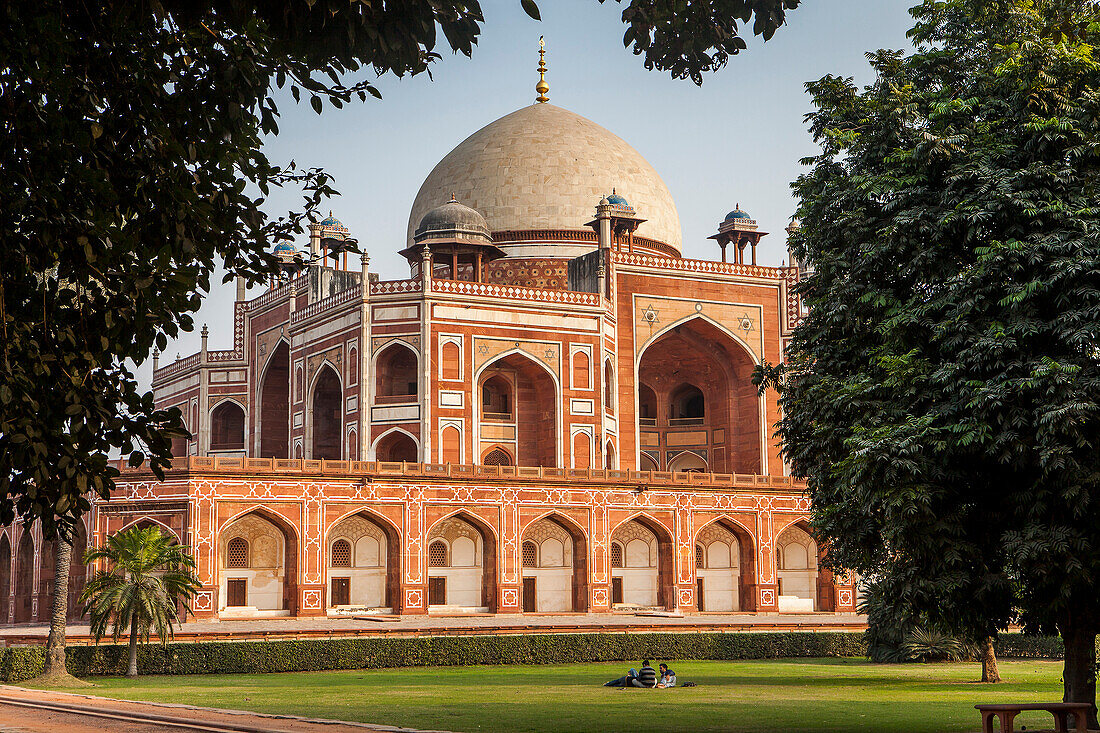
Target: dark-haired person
{"type": "Point", "coordinates": [668, 677]}
{"type": "Point", "coordinates": [645, 677]}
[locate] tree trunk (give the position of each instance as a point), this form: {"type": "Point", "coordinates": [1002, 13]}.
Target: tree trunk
{"type": "Point", "coordinates": [989, 662]}
{"type": "Point", "coordinates": [1078, 674]}
{"type": "Point", "coordinates": [131, 671]}
{"type": "Point", "coordinates": [55, 646]}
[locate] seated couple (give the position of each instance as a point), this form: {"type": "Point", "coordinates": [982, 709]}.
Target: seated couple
{"type": "Point", "coordinates": [646, 677]}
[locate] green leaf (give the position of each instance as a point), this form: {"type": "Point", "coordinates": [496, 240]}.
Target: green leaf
{"type": "Point", "coordinates": [531, 8]}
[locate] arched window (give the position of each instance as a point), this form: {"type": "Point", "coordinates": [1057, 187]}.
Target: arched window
{"type": "Point", "coordinates": [496, 399]}
{"type": "Point", "coordinates": [497, 457]}
{"type": "Point", "coordinates": [608, 386]}
{"type": "Point", "coordinates": [353, 366]}
{"type": "Point", "coordinates": [688, 406]}
{"type": "Point", "coordinates": [609, 456]}
{"type": "Point", "coordinates": [437, 555]}
{"type": "Point", "coordinates": [227, 427]}
{"type": "Point", "coordinates": [396, 446]}
{"type": "Point", "coordinates": [530, 555]}
{"type": "Point", "coordinates": [582, 451]}
{"type": "Point", "coordinates": [397, 373]}
{"type": "Point", "coordinates": [616, 555]}
{"type": "Point", "coordinates": [699, 556]}
{"type": "Point", "coordinates": [236, 554]}
{"type": "Point", "coordinates": [452, 361]}
{"type": "Point", "coordinates": [341, 554]}
{"type": "Point", "coordinates": [452, 445]}
{"type": "Point", "coordinates": [582, 367]}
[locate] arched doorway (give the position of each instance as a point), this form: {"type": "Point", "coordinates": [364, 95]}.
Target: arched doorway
{"type": "Point", "coordinates": [364, 563]}
{"type": "Point", "coordinates": [227, 427]}
{"type": "Point", "coordinates": [554, 559]}
{"type": "Point", "coordinates": [5, 579]}
{"type": "Point", "coordinates": [517, 411]}
{"type": "Point", "coordinates": [24, 578]}
{"type": "Point", "coordinates": [462, 564]}
{"type": "Point", "coordinates": [327, 415]}
{"type": "Point", "coordinates": [641, 564]}
{"type": "Point", "coordinates": [695, 394]}
{"type": "Point", "coordinates": [724, 568]}
{"type": "Point", "coordinates": [258, 570]}
{"type": "Point", "coordinates": [397, 375]}
{"type": "Point", "coordinates": [796, 569]}
{"type": "Point", "coordinates": [273, 423]}
{"type": "Point", "coordinates": [396, 446]}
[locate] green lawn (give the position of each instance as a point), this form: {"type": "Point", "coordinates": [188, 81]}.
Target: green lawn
{"type": "Point", "coordinates": [835, 695]}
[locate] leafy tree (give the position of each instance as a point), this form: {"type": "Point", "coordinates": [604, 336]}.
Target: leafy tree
{"type": "Point", "coordinates": [148, 576]}
{"type": "Point", "coordinates": [942, 396]}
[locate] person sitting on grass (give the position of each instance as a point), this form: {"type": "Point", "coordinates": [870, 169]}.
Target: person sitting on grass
{"type": "Point", "coordinates": [645, 677]}
{"type": "Point", "coordinates": [668, 677]}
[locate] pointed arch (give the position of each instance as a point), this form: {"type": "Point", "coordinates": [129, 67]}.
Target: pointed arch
{"type": "Point", "coordinates": [288, 560]}
{"type": "Point", "coordinates": [227, 425]}
{"type": "Point", "coordinates": [575, 573]}
{"type": "Point", "coordinates": [24, 577]}
{"type": "Point", "coordinates": [697, 386]}
{"type": "Point", "coordinates": [536, 415]}
{"type": "Point", "coordinates": [688, 461]}
{"type": "Point", "coordinates": [395, 445]}
{"type": "Point", "coordinates": [273, 416]}
{"type": "Point", "coordinates": [374, 586]}
{"type": "Point", "coordinates": [146, 521]}
{"type": "Point", "coordinates": [804, 583]}
{"type": "Point", "coordinates": [737, 582]}
{"type": "Point", "coordinates": [396, 372]}
{"type": "Point", "coordinates": [664, 575]}
{"type": "Point", "coordinates": [454, 577]}
{"type": "Point", "coordinates": [325, 414]}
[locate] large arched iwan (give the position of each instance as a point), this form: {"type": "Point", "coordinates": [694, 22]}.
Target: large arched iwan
{"type": "Point", "coordinates": [700, 380]}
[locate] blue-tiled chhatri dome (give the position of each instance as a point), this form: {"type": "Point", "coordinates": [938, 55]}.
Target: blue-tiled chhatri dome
{"type": "Point", "coordinates": [617, 200]}
{"type": "Point", "coordinates": [619, 205]}
{"type": "Point", "coordinates": [333, 227]}
{"type": "Point", "coordinates": [286, 248]}
{"type": "Point", "coordinates": [737, 213]}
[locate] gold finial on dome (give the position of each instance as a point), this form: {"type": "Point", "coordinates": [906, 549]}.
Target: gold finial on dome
{"type": "Point", "coordinates": [542, 87]}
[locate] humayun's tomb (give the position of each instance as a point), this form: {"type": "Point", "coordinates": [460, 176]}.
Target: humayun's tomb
{"type": "Point", "coordinates": [552, 413]}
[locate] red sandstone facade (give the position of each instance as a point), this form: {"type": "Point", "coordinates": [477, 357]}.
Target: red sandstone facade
{"type": "Point", "coordinates": [511, 429]}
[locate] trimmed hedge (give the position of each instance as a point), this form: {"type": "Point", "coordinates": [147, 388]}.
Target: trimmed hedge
{"type": "Point", "coordinates": [252, 657]}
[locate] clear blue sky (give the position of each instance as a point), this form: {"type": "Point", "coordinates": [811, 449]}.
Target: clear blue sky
{"type": "Point", "coordinates": [736, 139]}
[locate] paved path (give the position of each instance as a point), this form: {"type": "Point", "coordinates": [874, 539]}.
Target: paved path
{"type": "Point", "coordinates": [23, 710]}
{"type": "Point", "coordinates": [487, 623]}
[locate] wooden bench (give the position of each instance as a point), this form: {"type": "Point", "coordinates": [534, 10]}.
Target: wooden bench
{"type": "Point", "coordinates": [1060, 710]}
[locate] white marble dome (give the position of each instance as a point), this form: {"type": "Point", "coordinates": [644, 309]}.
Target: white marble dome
{"type": "Point", "coordinates": [544, 167]}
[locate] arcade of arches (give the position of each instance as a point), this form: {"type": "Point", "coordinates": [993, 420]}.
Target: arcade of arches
{"type": "Point", "coordinates": [695, 396]}
{"type": "Point", "coordinates": [549, 565]}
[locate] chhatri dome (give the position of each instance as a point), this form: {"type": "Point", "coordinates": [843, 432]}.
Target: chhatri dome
{"type": "Point", "coordinates": [544, 168]}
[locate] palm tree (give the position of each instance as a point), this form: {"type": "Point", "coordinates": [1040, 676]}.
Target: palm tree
{"type": "Point", "coordinates": [148, 576]}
